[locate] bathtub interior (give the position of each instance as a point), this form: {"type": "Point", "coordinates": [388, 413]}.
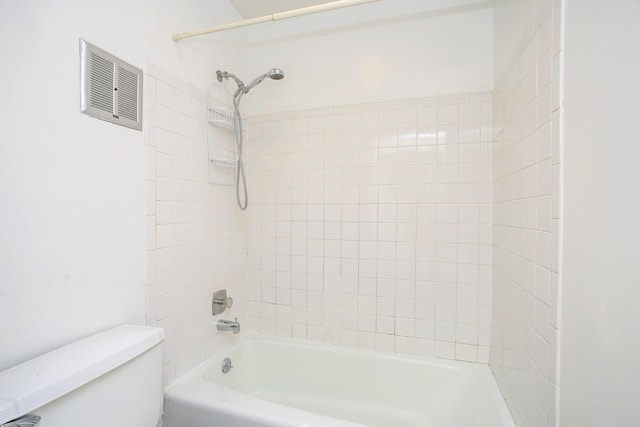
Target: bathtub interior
{"type": "Point", "coordinates": [361, 387]}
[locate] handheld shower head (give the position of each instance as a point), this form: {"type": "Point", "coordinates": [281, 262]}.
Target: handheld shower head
{"type": "Point", "coordinates": [276, 74]}
{"type": "Point", "coordinates": [273, 74]}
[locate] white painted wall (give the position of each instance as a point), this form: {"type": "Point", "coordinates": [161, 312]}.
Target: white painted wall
{"type": "Point", "coordinates": [601, 292]}
{"type": "Point", "coordinates": [390, 50]}
{"type": "Point", "coordinates": [72, 187]}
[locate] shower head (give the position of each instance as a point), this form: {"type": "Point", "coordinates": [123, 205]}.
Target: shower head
{"type": "Point", "coordinates": [273, 74]}
{"type": "Point", "coordinates": [276, 74]}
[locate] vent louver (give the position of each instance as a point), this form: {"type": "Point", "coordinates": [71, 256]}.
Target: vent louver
{"type": "Point", "coordinates": [111, 89]}
{"type": "Point", "coordinates": [127, 95]}
{"type": "Point", "coordinates": [101, 83]}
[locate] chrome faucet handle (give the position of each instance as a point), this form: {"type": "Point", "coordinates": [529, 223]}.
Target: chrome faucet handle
{"type": "Point", "coordinates": [227, 302]}
{"type": "Point", "coordinates": [220, 302]}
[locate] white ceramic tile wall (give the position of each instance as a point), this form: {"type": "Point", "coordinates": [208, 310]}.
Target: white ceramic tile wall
{"type": "Point", "coordinates": [370, 225]}
{"type": "Point", "coordinates": [526, 225]}
{"type": "Point", "coordinates": [195, 243]}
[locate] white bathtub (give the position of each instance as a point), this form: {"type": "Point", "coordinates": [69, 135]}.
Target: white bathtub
{"type": "Point", "coordinates": [286, 383]}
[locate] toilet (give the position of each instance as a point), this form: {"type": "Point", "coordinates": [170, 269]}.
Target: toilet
{"type": "Point", "coordinates": [113, 378]}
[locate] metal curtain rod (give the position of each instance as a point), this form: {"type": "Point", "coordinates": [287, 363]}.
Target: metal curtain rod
{"type": "Point", "coordinates": [274, 17]}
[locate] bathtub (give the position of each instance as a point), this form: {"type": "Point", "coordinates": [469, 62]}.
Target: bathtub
{"type": "Point", "coordinates": [285, 383]}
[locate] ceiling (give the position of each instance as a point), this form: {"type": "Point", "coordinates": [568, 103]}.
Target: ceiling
{"type": "Point", "coordinates": [255, 8]}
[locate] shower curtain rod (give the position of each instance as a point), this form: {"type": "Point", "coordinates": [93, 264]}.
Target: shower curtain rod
{"type": "Point", "coordinates": [274, 17]}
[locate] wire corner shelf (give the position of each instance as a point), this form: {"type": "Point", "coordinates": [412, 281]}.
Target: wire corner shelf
{"type": "Point", "coordinates": [220, 117]}
{"type": "Point", "coordinates": [227, 163]}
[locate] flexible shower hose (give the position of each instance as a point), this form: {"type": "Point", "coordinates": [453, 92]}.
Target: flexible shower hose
{"type": "Point", "coordinates": [238, 136]}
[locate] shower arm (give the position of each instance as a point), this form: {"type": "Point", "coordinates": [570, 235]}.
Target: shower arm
{"type": "Point", "coordinates": [274, 17]}
{"type": "Point", "coordinates": [221, 75]}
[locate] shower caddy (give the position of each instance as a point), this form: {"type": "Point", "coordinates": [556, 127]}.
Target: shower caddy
{"type": "Point", "coordinates": [222, 118]}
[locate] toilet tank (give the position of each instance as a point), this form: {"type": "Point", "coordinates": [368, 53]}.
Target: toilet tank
{"type": "Point", "coordinates": [113, 378]}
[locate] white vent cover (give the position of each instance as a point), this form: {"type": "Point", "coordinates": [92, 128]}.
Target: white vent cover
{"type": "Point", "coordinates": [110, 89]}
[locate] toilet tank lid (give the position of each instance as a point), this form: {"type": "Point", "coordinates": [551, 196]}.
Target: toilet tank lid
{"type": "Point", "coordinates": [35, 383]}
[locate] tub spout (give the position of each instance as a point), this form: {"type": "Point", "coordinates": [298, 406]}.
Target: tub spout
{"type": "Point", "coordinates": [229, 325]}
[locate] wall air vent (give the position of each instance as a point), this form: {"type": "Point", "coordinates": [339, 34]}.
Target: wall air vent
{"type": "Point", "coordinates": [110, 89]}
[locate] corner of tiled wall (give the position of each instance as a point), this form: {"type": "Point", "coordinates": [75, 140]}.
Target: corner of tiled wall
{"type": "Point", "coordinates": [527, 222]}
